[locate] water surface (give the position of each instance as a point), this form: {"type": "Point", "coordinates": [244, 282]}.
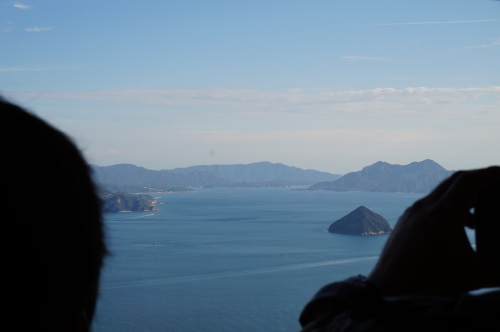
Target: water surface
{"type": "Point", "coordinates": [236, 259]}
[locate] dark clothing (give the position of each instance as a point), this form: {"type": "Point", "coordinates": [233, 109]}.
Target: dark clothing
{"type": "Point", "coordinates": [354, 305]}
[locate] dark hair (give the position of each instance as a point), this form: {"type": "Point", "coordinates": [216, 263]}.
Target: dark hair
{"type": "Point", "coordinates": [52, 236]}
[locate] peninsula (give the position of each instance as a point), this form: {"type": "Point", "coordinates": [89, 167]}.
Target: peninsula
{"type": "Point", "coordinates": [179, 190]}
{"type": "Point", "coordinates": [361, 221]}
{"type": "Point", "coordinates": [115, 201]}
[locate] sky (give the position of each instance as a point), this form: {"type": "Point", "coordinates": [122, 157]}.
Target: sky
{"type": "Point", "coordinates": [326, 85]}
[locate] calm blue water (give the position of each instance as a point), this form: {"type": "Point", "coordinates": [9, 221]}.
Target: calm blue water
{"type": "Point", "coordinates": [232, 259]}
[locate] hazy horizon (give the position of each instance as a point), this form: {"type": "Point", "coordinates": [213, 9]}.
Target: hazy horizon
{"type": "Point", "coordinates": [325, 85]}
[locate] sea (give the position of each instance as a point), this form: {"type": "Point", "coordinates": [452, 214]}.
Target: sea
{"type": "Point", "coordinates": [232, 259]}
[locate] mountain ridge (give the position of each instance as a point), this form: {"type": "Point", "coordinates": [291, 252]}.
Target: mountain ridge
{"type": "Point", "coordinates": [419, 177]}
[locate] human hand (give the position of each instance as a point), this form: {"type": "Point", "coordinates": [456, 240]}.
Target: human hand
{"type": "Point", "coordinates": [428, 252]}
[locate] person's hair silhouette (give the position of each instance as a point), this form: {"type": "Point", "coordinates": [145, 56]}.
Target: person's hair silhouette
{"type": "Point", "coordinates": [52, 234]}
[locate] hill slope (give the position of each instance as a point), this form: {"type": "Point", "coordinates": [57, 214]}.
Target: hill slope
{"type": "Point", "coordinates": [383, 177]}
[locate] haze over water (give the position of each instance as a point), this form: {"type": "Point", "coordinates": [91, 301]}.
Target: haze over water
{"type": "Point", "coordinates": [245, 259]}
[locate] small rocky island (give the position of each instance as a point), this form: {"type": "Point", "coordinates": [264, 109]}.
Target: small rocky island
{"type": "Point", "coordinates": [361, 221]}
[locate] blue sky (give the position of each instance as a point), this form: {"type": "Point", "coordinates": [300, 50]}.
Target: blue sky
{"type": "Point", "coordinates": [328, 85]}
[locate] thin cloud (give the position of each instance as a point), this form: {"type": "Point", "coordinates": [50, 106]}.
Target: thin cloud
{"type": "Point", "coordinates": [355, 57]}
{"type": "Point", "coordinates": [21, 6]}
{"type": "Point", "coordinates": [20, 69]}
{"type": "Point", "coordinates": [250, 103]}
{"type": "Point", "coordinates": [420, 23]}
{"type": "Point", "coordinates": [496, 43]}
{"type": "Point", "coordinates": [37, 29]}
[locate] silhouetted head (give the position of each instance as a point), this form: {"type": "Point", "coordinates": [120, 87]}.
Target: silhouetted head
{"type": "Point", "coordinates": [51, 231]}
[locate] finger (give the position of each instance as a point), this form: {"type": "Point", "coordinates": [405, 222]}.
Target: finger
{"type": "Point", "coordinates": [443, 186]}
{"type": "Point", "coordinates": [461, 195]}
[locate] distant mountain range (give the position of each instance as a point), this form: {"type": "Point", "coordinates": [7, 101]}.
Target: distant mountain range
{"type": "Point", "coordinates": [380, 177]}
{"type": "Point", "coordinates": [383, 177]}
{"type": "Point", "coordinates": [262, 174]}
